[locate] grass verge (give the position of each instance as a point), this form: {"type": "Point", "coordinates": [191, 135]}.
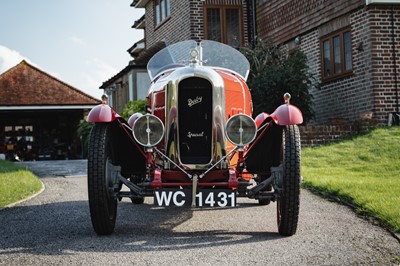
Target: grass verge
{"type": "Point", "coordinates": [16, 183]}
{"type": "Point", "coordinates": [363, 171]}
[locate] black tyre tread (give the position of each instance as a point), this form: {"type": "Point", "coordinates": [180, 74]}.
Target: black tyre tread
{"type": "Point", "coordinates": [103, 209]}
{"type": "Point", "coordinates": [290, 197]}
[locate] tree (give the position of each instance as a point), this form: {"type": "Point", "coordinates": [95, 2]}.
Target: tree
{"type": "Point", "coordinates": [275, 72]}
{"type": "Point", "coordinates": [138, 106]}
{"type": "Point", "coordinates": [83, 132]}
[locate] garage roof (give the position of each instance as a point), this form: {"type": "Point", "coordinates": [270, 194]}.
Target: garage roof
{"type": "Point", "coordinates": [26, 85]}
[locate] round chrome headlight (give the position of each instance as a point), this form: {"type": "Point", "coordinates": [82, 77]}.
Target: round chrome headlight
{"type": "Point", "coordinates": [241, 130]}
{"type": "Point", "coordinates": [148, 130]}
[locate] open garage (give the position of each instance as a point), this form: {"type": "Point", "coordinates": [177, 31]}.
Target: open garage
{"type": "Point", "coordinates": [39, 115]}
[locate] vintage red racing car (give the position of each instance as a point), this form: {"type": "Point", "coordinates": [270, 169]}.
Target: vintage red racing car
{"type": "Point", "coordinates": [198, 144]}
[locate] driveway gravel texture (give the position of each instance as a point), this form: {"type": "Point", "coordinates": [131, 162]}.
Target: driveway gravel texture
{"type": "Point", "coordinates": [54, 228]}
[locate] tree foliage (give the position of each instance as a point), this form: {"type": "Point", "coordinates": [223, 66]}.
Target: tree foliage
{"type": "Point", "coordinates": [138, 106]}
{"type": "Point", "coordinates": [273, 72]}
{"type": "Point", "coordinates": [83, 132]}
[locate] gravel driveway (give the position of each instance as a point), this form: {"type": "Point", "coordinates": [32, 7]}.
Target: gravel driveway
{"type": "Point", "coordinates": [54, 229]}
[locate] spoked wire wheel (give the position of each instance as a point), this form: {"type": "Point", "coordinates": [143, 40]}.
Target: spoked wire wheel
{"type": "Point", "coordinates": [288, 204]}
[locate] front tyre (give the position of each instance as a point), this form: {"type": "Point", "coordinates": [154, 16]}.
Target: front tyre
{"type": "Point", "coordinates": [103, 206]}
{"type": "Point", "coordinates": [289, 200]}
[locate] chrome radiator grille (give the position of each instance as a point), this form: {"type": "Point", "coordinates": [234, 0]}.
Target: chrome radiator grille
{"type": "Point", "coordinates": [195, 121]}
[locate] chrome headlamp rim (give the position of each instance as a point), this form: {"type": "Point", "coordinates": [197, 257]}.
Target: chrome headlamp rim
{"type": "Point", "coordinates": [138, 127]}
{"type": "Point", "coordinates": [250, 124]}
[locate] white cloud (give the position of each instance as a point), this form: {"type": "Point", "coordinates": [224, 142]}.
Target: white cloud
{"type": "Point", "coordinates": [9, 58]}
{"type": "Point", "coordinates": [77, 40]}
{"type": "Point", "coordinates": [97, 72]}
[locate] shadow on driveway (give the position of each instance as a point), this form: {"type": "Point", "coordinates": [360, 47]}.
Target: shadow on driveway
{"type": "Point", "coordinates": [57, 228]}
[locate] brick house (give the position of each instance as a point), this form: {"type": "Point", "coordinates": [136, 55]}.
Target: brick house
{"type": "Point", "coordinates": [353, 48]}
{"type": "Point", "coordinates": [166, 22]}
{"type": "Point", "coordinates": [39, 114]}
{"type": "Point", "coordinates": [172, 21]}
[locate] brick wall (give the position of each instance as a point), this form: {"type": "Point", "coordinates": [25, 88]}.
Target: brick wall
{"type": "Point", "coordinates": [372, 87]}
{"type": "Point", "coordinates": [285, 19]}
{"type": "Point", "coordinates": [383, 58]}
{"type": "Point", "coordinates": [197, 20]}
{"type": "Point", "coordinates": [347, 97]}
{"type": "Point", "coordinates": [319, 135]}
{"type": "Point", "coordinates": [174, 29]}
{"type": "Point", "coordinates": [186, 21]}
{"type": "Point", "coordinates": [324, 134]}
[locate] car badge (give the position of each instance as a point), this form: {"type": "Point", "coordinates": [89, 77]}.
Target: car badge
{"type": "Point", "coordinates": [194, 101]}
{"type": "Point", "coordinates": [195, 135]}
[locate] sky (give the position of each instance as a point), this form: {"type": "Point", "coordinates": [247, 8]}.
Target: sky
{"type": "Point", "coordinates": [81, 42]}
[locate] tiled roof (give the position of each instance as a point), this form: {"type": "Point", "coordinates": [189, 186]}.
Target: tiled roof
{"type": "Point", "coordinates": [25, 85]}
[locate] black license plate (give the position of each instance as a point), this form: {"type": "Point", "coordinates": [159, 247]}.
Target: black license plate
{"type": "Point", "coordinates": [204, 198]}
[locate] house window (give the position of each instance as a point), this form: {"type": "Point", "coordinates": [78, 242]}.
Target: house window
{"type": "Point", "coordinates": [161, 10]}
{"type": "Point", "coordinates": [223, 24]}
{"type": "Point", "coordinates": [336, 55]}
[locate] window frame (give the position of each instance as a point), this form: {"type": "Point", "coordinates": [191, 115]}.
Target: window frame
{"type": "Point", "coordinates": [223, 24]}
{"type": "Point", "coordinates": [343, 72]}
{"type": "Point", "coordinates": [163, 15]}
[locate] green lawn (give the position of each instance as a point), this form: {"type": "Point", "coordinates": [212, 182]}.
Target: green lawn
{"type": "Point", "coordinates": [364, 171]}
{"type": "Point", "coordinates": [16, 183]}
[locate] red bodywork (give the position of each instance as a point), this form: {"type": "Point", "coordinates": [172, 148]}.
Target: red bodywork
{"type": "Point", "coordinates": [102, 114]}
{"type": "Point", "coordinates": [238, 101]}
{"type": "Point", "coordinates": [284, 115]}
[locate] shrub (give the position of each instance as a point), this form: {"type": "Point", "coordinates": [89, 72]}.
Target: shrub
{"type": "Point", "coordinates": [138, 106]}
{"type": "Point", "coordinates": [275, 72]}
{"type": "Point", "coordinates": [83, 132]}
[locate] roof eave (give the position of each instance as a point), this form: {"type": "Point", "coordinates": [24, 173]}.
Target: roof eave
{"type": "Point", "coordinates": [383, 2]}
{"type": "Point", "coordinates": [113, 79]}
{"type": "Point", "coordinates": [140, 23]}
{"type": "Point", "coordinates": [139, 3]}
